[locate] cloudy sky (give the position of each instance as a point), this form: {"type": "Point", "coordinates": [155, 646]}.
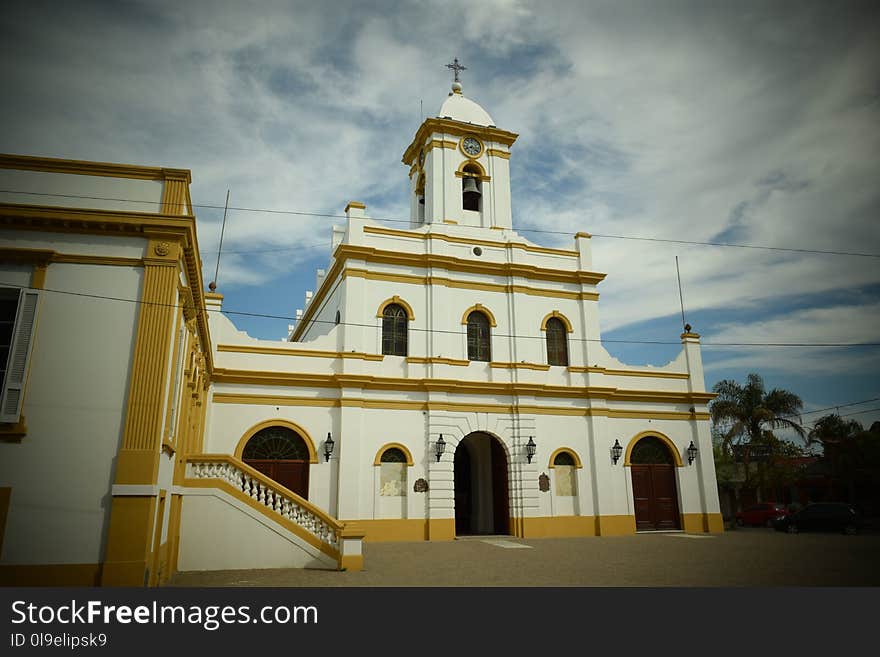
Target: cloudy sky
{"type": "Point", "coordinates": [751, 123]}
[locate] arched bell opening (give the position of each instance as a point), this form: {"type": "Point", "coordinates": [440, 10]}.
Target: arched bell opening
{"type": "Point", "coordinates": [471, 188]}
{"type": "Point", "coordinates": [482, 500]}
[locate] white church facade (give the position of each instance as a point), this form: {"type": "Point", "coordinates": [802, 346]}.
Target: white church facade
{"type": "Point", "coordinates": [445, 379]}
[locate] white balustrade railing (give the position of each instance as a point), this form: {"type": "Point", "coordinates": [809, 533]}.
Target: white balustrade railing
{"type": "Point", "coordinates": [262, 491]}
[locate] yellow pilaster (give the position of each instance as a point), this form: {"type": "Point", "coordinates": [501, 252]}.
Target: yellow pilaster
{"type": "Point", "coordinates": [129, 540]}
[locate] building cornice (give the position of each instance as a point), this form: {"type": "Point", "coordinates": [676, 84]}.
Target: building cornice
{"type": "Point", "coordinates": [456, 386]}
{"type": "Point", "coordinates": [432, 126]}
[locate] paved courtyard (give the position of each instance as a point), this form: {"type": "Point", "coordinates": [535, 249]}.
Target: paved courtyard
{"type": "Point", "coordinates": [744, 557]}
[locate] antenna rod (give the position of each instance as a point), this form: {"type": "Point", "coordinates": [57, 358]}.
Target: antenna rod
{"type": "Point", "coordinates": [213, 284]}
{"type": "Point", "coordinates": [680, 297]}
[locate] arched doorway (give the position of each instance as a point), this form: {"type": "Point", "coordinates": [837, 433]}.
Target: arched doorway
{"type": "Point", "coordinates": [281, 454]}
{"type": "Point", "coordinates": [654, 490]}
{"type": "Point", "coordinates": [482, 503]}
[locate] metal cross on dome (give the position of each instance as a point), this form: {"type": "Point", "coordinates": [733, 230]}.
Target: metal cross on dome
{"type": "Point", "coordinates": [456, 67]}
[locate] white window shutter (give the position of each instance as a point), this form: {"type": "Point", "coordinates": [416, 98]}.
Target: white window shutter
{"type": "Point", "coordinates": [19, 355]}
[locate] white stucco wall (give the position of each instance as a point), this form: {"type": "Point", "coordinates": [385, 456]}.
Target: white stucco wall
{"type": "Point", "coordinates": [219, 532]}
{"type": "Point", "coordinates": [75, 402]}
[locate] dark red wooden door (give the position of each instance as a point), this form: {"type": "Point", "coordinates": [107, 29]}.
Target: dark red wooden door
{"type": "Point", "coordinates": [500, 496]}
{"type": "Point", "coordinates": [293, 475]}
{"type": "Point", "coordinates": [654, 495]}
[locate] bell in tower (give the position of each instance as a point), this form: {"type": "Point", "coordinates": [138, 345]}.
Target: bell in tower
{"type": "Point", "coordinates": [470, 194]}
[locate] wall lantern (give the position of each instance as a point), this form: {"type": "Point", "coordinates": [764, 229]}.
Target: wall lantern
{"type": "Point", "coordinates": [328, 447]}
{"type": "Point", "coordinates": [692, 452]}
{"type": "Point", "coordinates": [439, 447]}
{"type": "Point", "coordinates": [616, 451]}
{"type": "Point", "coordinates": [530, 449]}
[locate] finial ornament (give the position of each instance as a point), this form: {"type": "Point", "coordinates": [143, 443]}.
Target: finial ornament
{"type": "Point", "coordinates": [456, 67]}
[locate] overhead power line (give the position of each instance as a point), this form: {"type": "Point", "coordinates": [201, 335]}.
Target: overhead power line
{"type": "Point", "coordinates": [523, 230]}
{"type": "Point", "coordinates": [498, 335]}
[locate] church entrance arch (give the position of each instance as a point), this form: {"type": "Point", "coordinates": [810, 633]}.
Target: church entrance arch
{"type": "Point", "coordinates": [655, 494]}
{"type": "Point", "coordinates": [482, 502]}
{"type": "Point", "coordinates": [281, 454]}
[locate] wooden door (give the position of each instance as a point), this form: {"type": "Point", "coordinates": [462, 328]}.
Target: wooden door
{"type": "Point", "coordinates": [292, 474]}
{"type": "Point", "coordinates": [500, 495]}
{"type": "Point", "coordinates": [462, 478]}
{"type": "Point", "coordinates": [654, 497]}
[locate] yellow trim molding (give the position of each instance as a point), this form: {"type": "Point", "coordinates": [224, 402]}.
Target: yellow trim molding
{"type": "Point", "coordinates": [396, 404]}
{"type": "Point", "coordinates": [520, 366]}
{"type": "Point", "coordinates": [387, 446]}
{"type": "Point", "coordinates": [307, 439]}
{"type": "Point", "coordinates": [437, 361]}
{"type": "Point", "coordinates": [583, 234]}
{"type": "Point", "coordinates": [566, 450]}
{"type": "Point", "coordinates": [354, 204]}
{"type": "Point", "coordinates": [702, 523]}
{"type": "Point", "coordinates": [480, 173]}
{"type": "Point", "coordinates": [431, 126]}
{"type": "Point", "coordinates": [285, 351]}
{"type": "Point", "coordinates": [55, 165]}
{"type": "Point", "coordinates": [441, 529]}
{"type": "Point", "coordinates": [642, 373]}
{"type": "Point", "coordinates": [615, 525]}
{"type": "Point", "coordinates": [669, 444]}
{"type": "Point", "coordinates": [410, 315]}
{"type": "Point", "coordinates": [14, 432]}
{"type": "Point", "coordinates": [452, 239]}
{"type": "Point", "coordinates": [558, 527]}
{"type": "Point", "coordinates": [421, 281]}
{"type": "Point", "coordinates": [480, 308]}
{"type": "Point", "coordinates": [369, 382]}
{"type": "Point", "coordinates": [558, 315]}
{"type": "Point", "coordinates": [494, 152]}
{"type": "Point", "coordinates": [386, 531]}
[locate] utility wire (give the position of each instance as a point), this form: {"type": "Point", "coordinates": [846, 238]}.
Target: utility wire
{"type": "Point", "coordinates": [441, 331]}
{"type": "Point", "coordinates": [523, 230]}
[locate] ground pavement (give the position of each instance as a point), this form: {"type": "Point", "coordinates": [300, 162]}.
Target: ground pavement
{"type": "Point", "coordinates": [742, 558]}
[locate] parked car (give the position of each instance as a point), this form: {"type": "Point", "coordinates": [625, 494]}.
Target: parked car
{"type": "Point", "coordinates": [824, 516]}
{"type": "Point", "coordinates": [761, 514]}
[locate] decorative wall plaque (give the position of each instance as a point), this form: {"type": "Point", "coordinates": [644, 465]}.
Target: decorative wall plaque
{"type": "Point", "coordinates": [543, 482]}
{"type": "Point", "coordinates": [421, 486]}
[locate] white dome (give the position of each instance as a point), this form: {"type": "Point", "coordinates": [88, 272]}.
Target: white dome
{"type": "Point", "coordinates": [459, 108]}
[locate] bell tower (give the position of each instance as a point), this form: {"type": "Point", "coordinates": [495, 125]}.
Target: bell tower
{"type": "Point", "coordinates": [460, 166]}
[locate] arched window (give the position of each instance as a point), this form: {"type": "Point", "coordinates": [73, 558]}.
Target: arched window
{"type": "Point", "coordinates": [566, 474]}
{"type": "Point", "coordinates": [651, 450]}
{"type": "Point", "coordinates": [478, 337]}
{"type": "Point", "coordinates": [394, 330]}
{"type": "Point", "coordinates": [557, 342]}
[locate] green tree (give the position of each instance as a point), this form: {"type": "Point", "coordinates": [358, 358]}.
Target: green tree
{"type": "Point", "coordinates": [744, 415]}
{"type": "Point", "coordinates": [843, 443]}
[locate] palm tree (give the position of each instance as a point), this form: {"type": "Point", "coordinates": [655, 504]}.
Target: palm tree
{"type": "Point", "coordinates": [742, 413]}
{"type": "Point", "coordinates": [745, 415]}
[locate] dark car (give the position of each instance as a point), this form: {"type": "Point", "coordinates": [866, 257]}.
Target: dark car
{"type": "Point", "coordinates": [762, 514]}
{"type": "Point", "coordinates": [824, 516]}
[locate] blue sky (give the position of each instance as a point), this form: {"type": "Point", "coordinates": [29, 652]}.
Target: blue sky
{"type": "Point", "coordinates": [747, 122]}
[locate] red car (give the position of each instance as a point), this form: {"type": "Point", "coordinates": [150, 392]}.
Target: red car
{"type": "Point", "coordinates": [761, 514]}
